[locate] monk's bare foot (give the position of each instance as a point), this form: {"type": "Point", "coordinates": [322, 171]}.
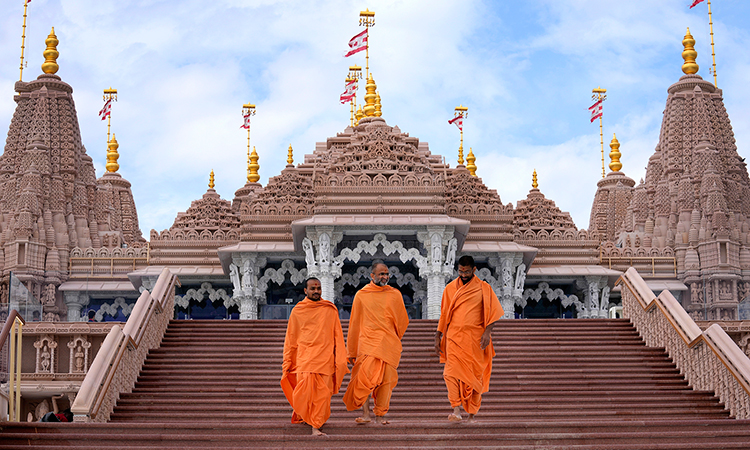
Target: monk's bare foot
{"type": "Point", "coordinates": [382, 420]}
{"type": "Point", "coordinates": [453, 417]}
{"type": "Point", "coordinates": [362, 420]}
{"type": "Point", "coordinates": [471, 419]}
{"type": "Point", "coordinates": [317, 432]}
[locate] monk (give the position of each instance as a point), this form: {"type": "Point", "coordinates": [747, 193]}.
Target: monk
{"type": "Point", "coordinates": [376, 326]}
{"type": "Point", "coordinates": [468, 312]}
{"type": "Point", "coordinates": [314, 358]}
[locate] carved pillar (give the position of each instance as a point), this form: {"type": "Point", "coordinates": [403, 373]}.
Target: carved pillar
{"type": "Point", "coordinates": [437, 265]}
{"type": "Point", "coordinates": [247, 267]}
{"type": "Point", "coordinates": [324, 267]}
{"type": "Point", "coordinates": [75, 301]}
{"type": "Point", "coordinates": [510, 273]}
{"type": "Point", "coordinates": [594, 306]}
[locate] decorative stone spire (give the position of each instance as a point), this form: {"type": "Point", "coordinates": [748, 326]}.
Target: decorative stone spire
{"type": "Point", "coordinates": [378, 106]}
{"type": "Point", "coordinates": [689, 54]}
{"type": "Point", "coordinates": [461, 154]}
{"type": "Point", "coordinates": [358, 115]}
{"type": "Point", "coordinates": [534, 183]}
{"type": "Point", "coordinates": [211, 180]}
{"type": "Point", "coordinates": [253, 167]}
{"type": "Point", "coordinates": [470, 158]}
{"type": "Point", "coordinates": [112, 155]}
{"type": "Point", "coordinates": [615, 154]}
{"type": "Point", "coordinates": [290, 156]}
{"type": "Point", "coordinates": [370, 97]}
{"type": "Point", "coordinates": [50, 54]}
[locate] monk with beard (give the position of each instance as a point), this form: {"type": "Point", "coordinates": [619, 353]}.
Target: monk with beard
{"type": "Point", "coordinates": [463, 341]}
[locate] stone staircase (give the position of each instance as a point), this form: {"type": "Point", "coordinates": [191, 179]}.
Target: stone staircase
{"type": "Point", "coordinates": [557, 384]}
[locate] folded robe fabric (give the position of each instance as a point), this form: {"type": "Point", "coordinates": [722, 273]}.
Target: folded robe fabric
{"type": "Point", "coordinates": [314, 344]}
{"type": "Point", "coordinates": [466, 310]}
{"type": "Point", "coordinates": [377, 324]}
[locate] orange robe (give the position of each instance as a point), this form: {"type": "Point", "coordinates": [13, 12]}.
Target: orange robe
{"type": "Point", "coordinates": [465, 312]}
{"type": "Point", "coordinates": [376, 326]}
{"type": "Point", "coordinates": [314, 360]}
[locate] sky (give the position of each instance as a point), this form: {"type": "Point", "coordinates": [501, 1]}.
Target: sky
{"type": "Point", "coordinates": [525, 69]}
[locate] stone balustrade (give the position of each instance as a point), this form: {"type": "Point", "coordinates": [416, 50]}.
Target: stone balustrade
{"type": "Point", "coordinates": [710, 360]}
{"type": "Point", "coordinates": [116, 366]}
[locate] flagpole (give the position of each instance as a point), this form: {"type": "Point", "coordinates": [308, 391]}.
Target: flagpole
{"type": "Point", "coordinates": [367, 20]}
{"type": "Point", "coordinates": [461, 111]}
{"type": "Point", "coordinates": [599, 96]}
{"type": "Point", "coordinates": [109, 95]}
{"type": "Point", "coordinates": [355, 73]}
{"type": "Point", "coordinates": [711, 28]}
{"type": "Point", "coordinates": [248, 109]}
{"type": "Point", "coordinates": [23, 36]}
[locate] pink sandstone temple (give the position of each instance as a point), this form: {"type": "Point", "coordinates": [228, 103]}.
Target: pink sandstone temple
{"type": "Point", "coordinates": [370, 192]}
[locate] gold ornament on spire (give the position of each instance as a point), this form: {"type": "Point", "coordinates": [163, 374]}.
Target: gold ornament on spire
{"type": "Point", "coordinates": [378, 106]}
{"type": "Point", "coordinates": [211, 180]}
{"type": "Point", "coordinates": [689, 54]}
{"type": "Point", "coordinates": [112, 155]}
{"type": "Point", "coordinates": [290, 156]}
{"type": "Point", "coordinates": [50, 54]}
{"type": "Point", "coordinates": [615, 154]}
{"type": "Point", "coordinates": [470, 158]}
{"type": "Point", "coordinates": [358, 115]}
{"type": "Point", "coordinates": [534, 183]}
{"type": "Point", "coordinates": [370, 97]}
{"type": "Point", "coordinates": [253, 167]}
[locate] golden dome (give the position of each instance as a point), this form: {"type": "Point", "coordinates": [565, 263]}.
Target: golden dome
{"type": "Point", "coordinates": [689, 54]}
{"type": "Point", "coordinates": [50, 54]}
{"type": "Point", "coordinates": [112, 155]}
{"type": "Point", "coordinates": [615, 154]}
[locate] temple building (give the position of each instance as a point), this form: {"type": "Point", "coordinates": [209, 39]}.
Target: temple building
{"type": "Point", "coordinates": [374, 192]}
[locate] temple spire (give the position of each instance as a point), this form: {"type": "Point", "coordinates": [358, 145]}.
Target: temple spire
{"type": "Point", "coordinates": [252, 168]}
{"type": "Point", "coordinates": [370, 97]}
{"type": "Point", "coordinates": [290, 156]}
{"type": "Point", "coordinates": [50, 54]}
{"type": "Point", "coordinates": [470, 166]}
{"type": "Point", "coordinates": [211, 183]}
{"type": "Point", "coordinates": [689, 54]}
{"type": "Point", "coordinates": [615, 154]}
{"type": "Point", "coordinates": [534, 183]}
{"type": "Point", "coordinates": [378, 105]}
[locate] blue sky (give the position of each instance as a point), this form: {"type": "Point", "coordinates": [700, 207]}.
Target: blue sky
{"type": "Point", "coordinates": [525, 69]}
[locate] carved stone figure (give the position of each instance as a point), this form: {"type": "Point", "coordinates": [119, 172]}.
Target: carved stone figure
{"type": "Point", "coordinates": [450, 255]}
{"type": "Point", "coordinates": [234, 275]}
{"type": "Point", "coordinates": [324, 248]}
{"type": "Point", "coordinates": [247, 275]}
{"type": "Point", "coordinates": [307, 246]}
{"type": "Point", "coordinates": [436, 244]}
{"type": "Point", "coordinates": [520, 277]}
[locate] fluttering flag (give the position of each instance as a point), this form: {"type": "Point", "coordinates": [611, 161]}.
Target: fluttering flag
{"type": "Point", "coordinates": [357, 43]}
{"type": "Point", "coordinates": [106, 110]}
{"type": "Point", "coordinates": [596, 110]}
{"type": "Point", "coordinates": [246, 122]}
{"type": "Point", "coordinates": [695, 2]}
{"type": "Point", "coordinates": [350, 92]}
{"type": "Point", "coordinates": [459, 121]}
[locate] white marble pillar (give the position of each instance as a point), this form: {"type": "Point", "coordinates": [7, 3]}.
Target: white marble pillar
{"type": "Point", "coordinates": [244, 275]}
{"type": "Point", "coordinates": [75, 301]}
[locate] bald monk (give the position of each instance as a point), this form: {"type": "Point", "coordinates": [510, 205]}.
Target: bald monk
{"type": "Point", "coordinates": [376, 326]}
{"type": "Point", "coordinates": [314, 358]}
{"type": "Point", "coordinates": [468, 312]}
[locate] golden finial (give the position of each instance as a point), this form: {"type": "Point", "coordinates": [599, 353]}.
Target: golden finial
{"type": "Point", "coordinates": [370, 96]}
{"type": "Point", "coordinates": [534, 183]}
{"type": "Point", "coordinates": [290, 157]}
{"type": "Point", "coordinates": [112, 155]}
{"type": "Point", "coordinates": [378, 106]}
{"type": "Point", "coordinates": [689, 54]}
{"type": "Point", "coordinates": [461, 153]}
{"type": "Point", "coordinates": [615, 154]}
{"type": "Point", "coordinates": [253, 167]}
{"type": "Point", "coordinates": [470, 158]}
{"type": "Point", "coordinates": [358, 115]}
{"type": "Point", "coordinates": [211, 180]}
{"type": "Point", "coordinates": [50, 54]}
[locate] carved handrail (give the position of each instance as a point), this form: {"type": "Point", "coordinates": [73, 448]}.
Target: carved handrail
{"type": "Point", "coordinates": [123, 352]}
{"type": "Point", "coordinates": [709, 360]}
{"type": "Point", "coordinates": [14, 379]}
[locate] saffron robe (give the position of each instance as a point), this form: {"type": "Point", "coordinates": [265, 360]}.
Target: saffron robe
{"type": "Point", "coordinates": [376, 326]}
{"type": "Point", "coordinates": [465, 312]}
{"type": "Point", "coordinates": [314, 360]}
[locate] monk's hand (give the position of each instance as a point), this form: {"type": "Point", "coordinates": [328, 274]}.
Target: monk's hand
{"type": "Point", "coordinates": [438, 338]}
{"type": "Point", "coordinates": [486, 339]}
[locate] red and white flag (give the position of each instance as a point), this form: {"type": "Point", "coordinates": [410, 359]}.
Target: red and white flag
{"type": "Point", "coordinates": [459, 121]}
{"type": "Point", "coordinates": [106, 110]}
{"type": "Point", "coordinates": [357, 43]}
{"type": "Point", "coordinates": [350, 92]}
{"type": "Point", "coordinates": [596, 110]}
{"type": "Point", "coordinates": [695, 3]}
{"type": "Point", "coordinates": [246, 122]}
